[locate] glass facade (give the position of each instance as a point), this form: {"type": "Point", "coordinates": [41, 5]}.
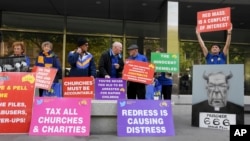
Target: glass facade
{"type": "Point", "coordinates": [34, 29]}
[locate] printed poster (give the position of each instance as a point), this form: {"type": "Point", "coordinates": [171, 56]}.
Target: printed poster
{"type": "Point", "coordinates": [144, 118]}
{"type": "Point", "coordinates": [218, 96]}
{"type": "Point", "coordinates": [214, 20]}
{"type": "Point", "coordinates": [82, 87]}
{"type": "Point", "coordinates": [138, 71]}
{"type": "Point", "coordinates": [16, 98]}
{"type": "Point", "coordinates": [165, 62]}
{"type": "Point", "coordinates": [110, 89]}
{"type": "Point", "coordinates": [60, 117]}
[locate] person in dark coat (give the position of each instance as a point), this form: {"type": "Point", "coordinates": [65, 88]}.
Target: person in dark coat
{"type": "Point", "coordinates": [111, 62]}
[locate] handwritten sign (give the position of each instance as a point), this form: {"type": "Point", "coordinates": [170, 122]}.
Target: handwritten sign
{"type": "Point", "coordinates": [78, 87]}
{"type": "Point", "coordinates": [16, 97]}
{"type": "Point", "coordinates": [214, 20]}
{"type": "Point", "coordinates": [144, 118]}
{"type": "Point", "coordinates": [138, 71]}
{"type": "Point", "coordinates": [61, 116]}
{"type": "Point", "coordinates": [44, 77]}
{"type": "Point", "coordinates": [113, 88]}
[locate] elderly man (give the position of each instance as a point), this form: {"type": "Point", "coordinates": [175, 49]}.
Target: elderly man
{"type": "Point", "coordinates": [111, 62]}
{"type": "Point", "coordinates": [136, 90]}
{"type": "Point", "coordinates": [217, 91]}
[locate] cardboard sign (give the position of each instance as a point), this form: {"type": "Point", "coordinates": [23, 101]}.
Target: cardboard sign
{"type": "Point", "coordinates": [16, 97]}
{"type": "Point", "coordinates": [110, 89]}
{"type": "Point", "coordinates": [61, 116]}
{"type": "Point", "coordinates": [145, 118]}
{"type": "Point", "coordinates": [137, 71]}
{"type": "Point", "coordinates": [165, 62]}
{"type": "Point", "coordinates": [44, 77]}
{"type": "Point", "coordinates": [82, 87]}
{"type": "Point", "coordinates": [214, 20]}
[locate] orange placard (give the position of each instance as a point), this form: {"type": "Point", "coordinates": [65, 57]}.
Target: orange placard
{"type": "Point", "coordinates": [82, 87]}
{"type": "Point", "coordinates": [16, 98]}
{"type": "Point", "coordinates": [137, 71]}
{"type": "Point", "coordinates": [44, 77]}
{"type": "Point", "coordinates": [214, 20]}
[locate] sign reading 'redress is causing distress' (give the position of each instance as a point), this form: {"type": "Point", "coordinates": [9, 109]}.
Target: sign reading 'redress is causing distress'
{"type": "Point", "coordinates": [144, 118]}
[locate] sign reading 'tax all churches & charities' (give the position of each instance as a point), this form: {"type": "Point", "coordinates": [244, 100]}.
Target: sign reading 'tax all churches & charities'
{"type": "Point", "coordinates": [144, 118]}
{"type": "Point", "coordinates": [61, 117]}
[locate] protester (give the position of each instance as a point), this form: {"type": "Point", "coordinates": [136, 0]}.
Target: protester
{"type": "Point", "coordinates": [111, 62]}
{"type": "Point", "coordinates": [135, 89]}
{"type": "Point", "coordinates": [81, 61]}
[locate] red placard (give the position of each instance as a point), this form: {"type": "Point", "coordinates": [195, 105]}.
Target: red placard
{"type": "Point", "coordinates": [137, 71]}
{"type": "Point", "coordinates": [44, 77]}
{"type": "Point", "coordinates": [214, 20]}
{"type": "Point", "coordinates": [16, 98]}
{"type": "Point", "coordinates": [82, 87]}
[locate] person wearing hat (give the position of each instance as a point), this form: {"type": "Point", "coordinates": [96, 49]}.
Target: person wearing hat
{"type": "Point", "coordinates": [135, 89]}
{"type": "Point", "coordinates": [47, 58]}
{"type": "Point", "coordinates": [111, 62]}
{"type": "Point", "coordinates": [81, 61]}
{"type": "Point", "coordinates": [215, 56]}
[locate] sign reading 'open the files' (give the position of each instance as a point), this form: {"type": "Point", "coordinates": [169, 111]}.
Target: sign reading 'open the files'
{"type": "Point", "coordinates": [144, 118]}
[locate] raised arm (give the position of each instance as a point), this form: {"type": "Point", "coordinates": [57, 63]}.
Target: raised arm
{"type": "Point", "coordinates": [202, 44]}
{"type": "Point", "coordinates": [228, 41]}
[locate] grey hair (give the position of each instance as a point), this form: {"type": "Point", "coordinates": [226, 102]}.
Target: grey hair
{"type": "Point", "coordinates": [47, 43]}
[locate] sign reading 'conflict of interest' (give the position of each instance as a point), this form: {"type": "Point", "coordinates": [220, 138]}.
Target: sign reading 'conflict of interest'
{"type": "Point", "coordinates": [214, 20]}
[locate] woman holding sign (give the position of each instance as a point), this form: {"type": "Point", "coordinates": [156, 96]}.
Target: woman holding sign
{"type": "Point", "coordinates": [215, 56]}
{"type": "Point", "coordinates": [47, 58]}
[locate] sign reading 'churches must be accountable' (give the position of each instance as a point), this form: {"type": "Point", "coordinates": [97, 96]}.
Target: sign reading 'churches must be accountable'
{"type": "Point", "coordinates": [214, 20]}
{"type": "Point", "coordinates": [82, 87]}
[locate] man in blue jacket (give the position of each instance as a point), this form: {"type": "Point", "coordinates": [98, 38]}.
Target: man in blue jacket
{"type": "Point", "coordinates": [135, 89]}
{"type": "Point", "coordinates": [82, 62]}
